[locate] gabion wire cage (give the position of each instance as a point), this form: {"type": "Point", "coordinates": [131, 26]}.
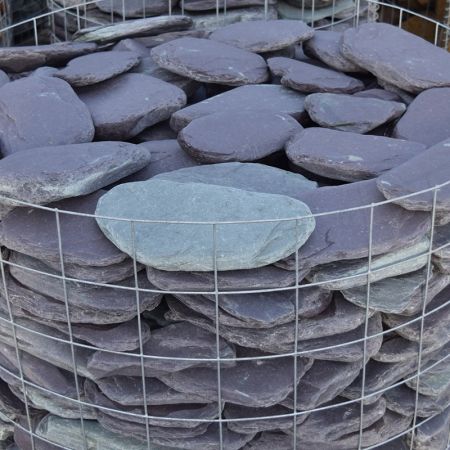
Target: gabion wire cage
{"type": "Point", "coordinates": [16, 332]}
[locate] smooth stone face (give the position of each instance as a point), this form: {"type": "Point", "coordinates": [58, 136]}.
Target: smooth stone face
{"type": "Point", "coordinates": [134, 8]}
{"type": "Point", "coordinates": [262, 278]}
{"type": "Point", "coordinates": [34, 232]}
{"type": "Point", "coordinates": [256, 134]}
{"type": "Point", "coordinates": [340, 9]}
{"type": "Point", "coordinates": [159, 132]}
{"type": "Point", "coordinates": [241, 384]}
{"type": "Point", "coordinates": [265, 97]}
{"type": "Point", "coordinates": [41, 111]}
{"type": "Point", "coordinates": [425, 171]}
{"type": "Point", "coordinates": [12, 407]}
{"type": "Point", "coordinates": [111, 304]}
{"type": "Point", "coordinates": [433, 434]}
{"type": "Point", "coordinates": [4, 78]}
{"type": "Point", "coordinates": [441, 241]}
{"type": "Point", "coordinates": [133, 28]}
{"type": "Point", "coordinates": [305, 77]}
{"type": "Point", "coordinates": [98, 67]}
{"type": "Point", "coordinates": [23, 59]}
{"type": "Point", "coordinates": [435, 323]}
{"type": "Point", "coordinates": [347, 274]}
{"type": "Point", "coordinates": [401, 58]}
{"type": "Point", "coordinates": [259, 425]}
{"type": "Point", "coordinates": [203, 5]}
{"type": "Point", "coordinates": [211, 62]}
{"type": "Point", "coordinates": [325, 46]}
{"type": "Point", "coordinates": [322, 383]}
{"type": "Point", "coordinates": [345, 235]}
{"type": "Point", "coordinates": [348, 156]}
{"type": "Point", "coordinates": [60, 172]}
{"type": "Point", "coordinates": [427, 118]}
{"type": "Point", "coordinates": [349, 113]}
{"type": "Point", "coordinates": [180, 340]}
{"type": "Point", "coordinates": [381, 94]}
{"type": "Point", "coordinates": [187, 201]}
{"type": "Point", "coordinates": [263, 36]}
{"type": "Point", "coordinates": [132, 45]}
{"type": "Point", "coordinates": [247, 176]}
{"type": "Point", "coordinates": [124, 106]}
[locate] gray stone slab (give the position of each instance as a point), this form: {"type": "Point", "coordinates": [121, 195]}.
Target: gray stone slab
{"type": "Point", "coordinates": [325, 46]}
{"type": "Point", "coordinates": [4, 78]}
{"type": "Point", "coordinates": [41, 111]}
{"type": "Point", "coordinates": [425, 171]}
{"type": "Point", "coordinates": [242, 384]}
{"type": "Point", "coordinates": [401, 295]}
{"type": "Point", "coordinates": [22, 59]}
{"type": "Point", "coordinates": [199, 202]}
{"type": "Point", "coordinates": [348, 156]}
{"type": "Point", "coordinates": [34, 232]}
{"type": "Point", "coordinates": [432, 434]}
{"type": "Point", "coordinates": [253, 97]}
{"type": "Point", "coordinates": [135, 8]}
{"type": "Point", "coordinates": [133, 28]}
{"type": "Point", "coordinates": [338, 9]}
{"type": "Point", "coordinates": [132, 45]}
{"type": "Point", "coordinates": [381, 94]}
{"type": "Point", "coordinates": [262, 278]}
{"type": "Point", "coordinates": [252, 177]}
{"type": "Point", "coordinates": [308, 78]}
{"type": "Point", "coordinates": [98, 67]}
{"type": "Point", "coordinates": [263, 36]}
{"type": "Point", "coordinates": [152, 41]}
{"type": "Point", "coordinates": [204, 5]}
{"type": "Point", "coordinates": [256, 134]}
{"type": "Point", "coordinates": [401, 58]}
{"type": "Point", "coordinates": [59, 172]}
{"type": "Point", "coordinates": [345, 235]}
{"type": "Point", "coordinates": [124, 106]}
{"type": "Point", "coordinates": [426, 119]}
{"type": "Point", "coordinates": [441, 241]}
{"type": "Point", "coordinates": [198, 59]}
{"type": "Point", "coordinates": [159, 132]}
{"type": "Point", "coordinates": [179, 340]}
{"type": "Point", "coordinates": [349, 113]}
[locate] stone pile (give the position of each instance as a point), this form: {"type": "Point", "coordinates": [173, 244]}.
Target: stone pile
{"type": "Point", "coordinates": [170, 212]}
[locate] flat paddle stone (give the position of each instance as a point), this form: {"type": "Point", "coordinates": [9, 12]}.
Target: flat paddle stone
{"type": "Point", "coordinates": [397, 56]}
{"type": "Point", "coordinates": [169, 248]}
{"type": "Point", "coordinates": [432, 434]}
{"type": "Point", "coordinates": [41, 111]}
{"type": "Point", "coordinates": [325, 46]}
{"type": "Point", "coordinates": [134, 8]}
{"type": "Point", "coordinates": [348, 156]}
{"type": "Point", "coordinates": [208, 61]}
{"type": "Point", "coordinates": [124, 106]}
{"type": "Point", "coordinates": [350, 113]}
{"type": "Point", "coordinates": [60, 172]}
{"type": "Point", "coordinates": [204, 5]}
{"type": "Point", "coordinates": [427, 119]}
{"type": "Point", "coordinates": [262, 36]}
{"type": "Point", "coordinates": [4, 78]}
{"type": "Point", "coordinates": [267, 97]}
{"type": "Point", "coordinates": [425, 171]}
{"type": "Point", "coordinates": [247, 176]}
{"type": "Point", "coordinates": [256, 134]}
{"type": "Point", "coordinates": [305, 77]}
{"type": "Point", "coordinates": [34, 232]}
{"type": "Point", "coordinates": [98, 67]}
{"type": "Point", "coordinates": [133, 28]}
{"type": "Point", "coordinates": [23, 59]}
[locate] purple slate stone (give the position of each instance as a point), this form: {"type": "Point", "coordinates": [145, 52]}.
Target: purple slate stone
{"type": "Point", "coordinates": [98, 67]}
{"type": "Point", "coordinates": [211, 62]}
{"type": "Point", "coordinates": [396, 56]}
{"type": "Point", "coordinates": [256, 134]}
{"type": "Point", "coordinates": [380, 94]}
{"type": "Point", "coordinates": [350, 113]}
{"type": "Point", "coordinates": [427, 119]}
{"type": "Point", "coordinates": [123, 107]}
{"type": "Point", "coordinates": [41, 111]}
{"type": "Point", "coordinates": [132, 45]}
{"type": "Point", "coordinates": [305, 77]}
{"type": "Point", "coordinates": [4, 78]}
{"type": "Point", "coordinates": [348, 156]}
{"type": "Point", "coordinates": [135, 8]}
{"type": "Point", "coordinates": [262, 36]}
{"type": "Point", "coordinates": [159, 132]}
{"type": "Point", "coordinates": [206, 5]}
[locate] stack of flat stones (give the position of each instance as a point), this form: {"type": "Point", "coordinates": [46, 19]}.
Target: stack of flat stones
{"type": "Point", "coordinates": [225, 204]}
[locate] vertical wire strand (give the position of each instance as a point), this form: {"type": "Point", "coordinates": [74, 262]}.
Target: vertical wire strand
{"type": "Point", "coordinates": [358, 6]}
{"type": "Point", "coordinates": [69, 326]}
{"type": "Point", "coordinates": [16, 345]}
{"type": "Point", "coordinates": [36, 37]}
{"type": "Point", "coordinates": [170, 7]}
{"type": "Point", "coordinates": [366, 328]}
{"type": "Point", "coordinates": [266, 9]}
{"type": "Point", "coordinates": [141, 342]}
{"type": "Point", "coordinates": [124, 14]}
{"type": "Point", "coordinates": [78, 18]}
{"type": "Point", "coordinates": [216, 298]}
{"type": "Point", "coordinates": [297, 282]}
{"type": "Point", "coordinates": [422, 321]}
{"type": "Point", "coordinates": [65, 21]}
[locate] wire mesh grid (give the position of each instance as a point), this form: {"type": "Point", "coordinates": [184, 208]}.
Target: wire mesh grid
{"type": "Point", "coordinates": [74, 347]}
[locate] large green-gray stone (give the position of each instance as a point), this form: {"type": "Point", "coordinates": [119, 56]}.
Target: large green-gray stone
{"type": "Point", "coordinates": [238, 246]}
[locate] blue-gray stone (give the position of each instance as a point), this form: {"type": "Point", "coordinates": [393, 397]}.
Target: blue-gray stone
{"type": "Point", "coordinates": [168, 247]}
